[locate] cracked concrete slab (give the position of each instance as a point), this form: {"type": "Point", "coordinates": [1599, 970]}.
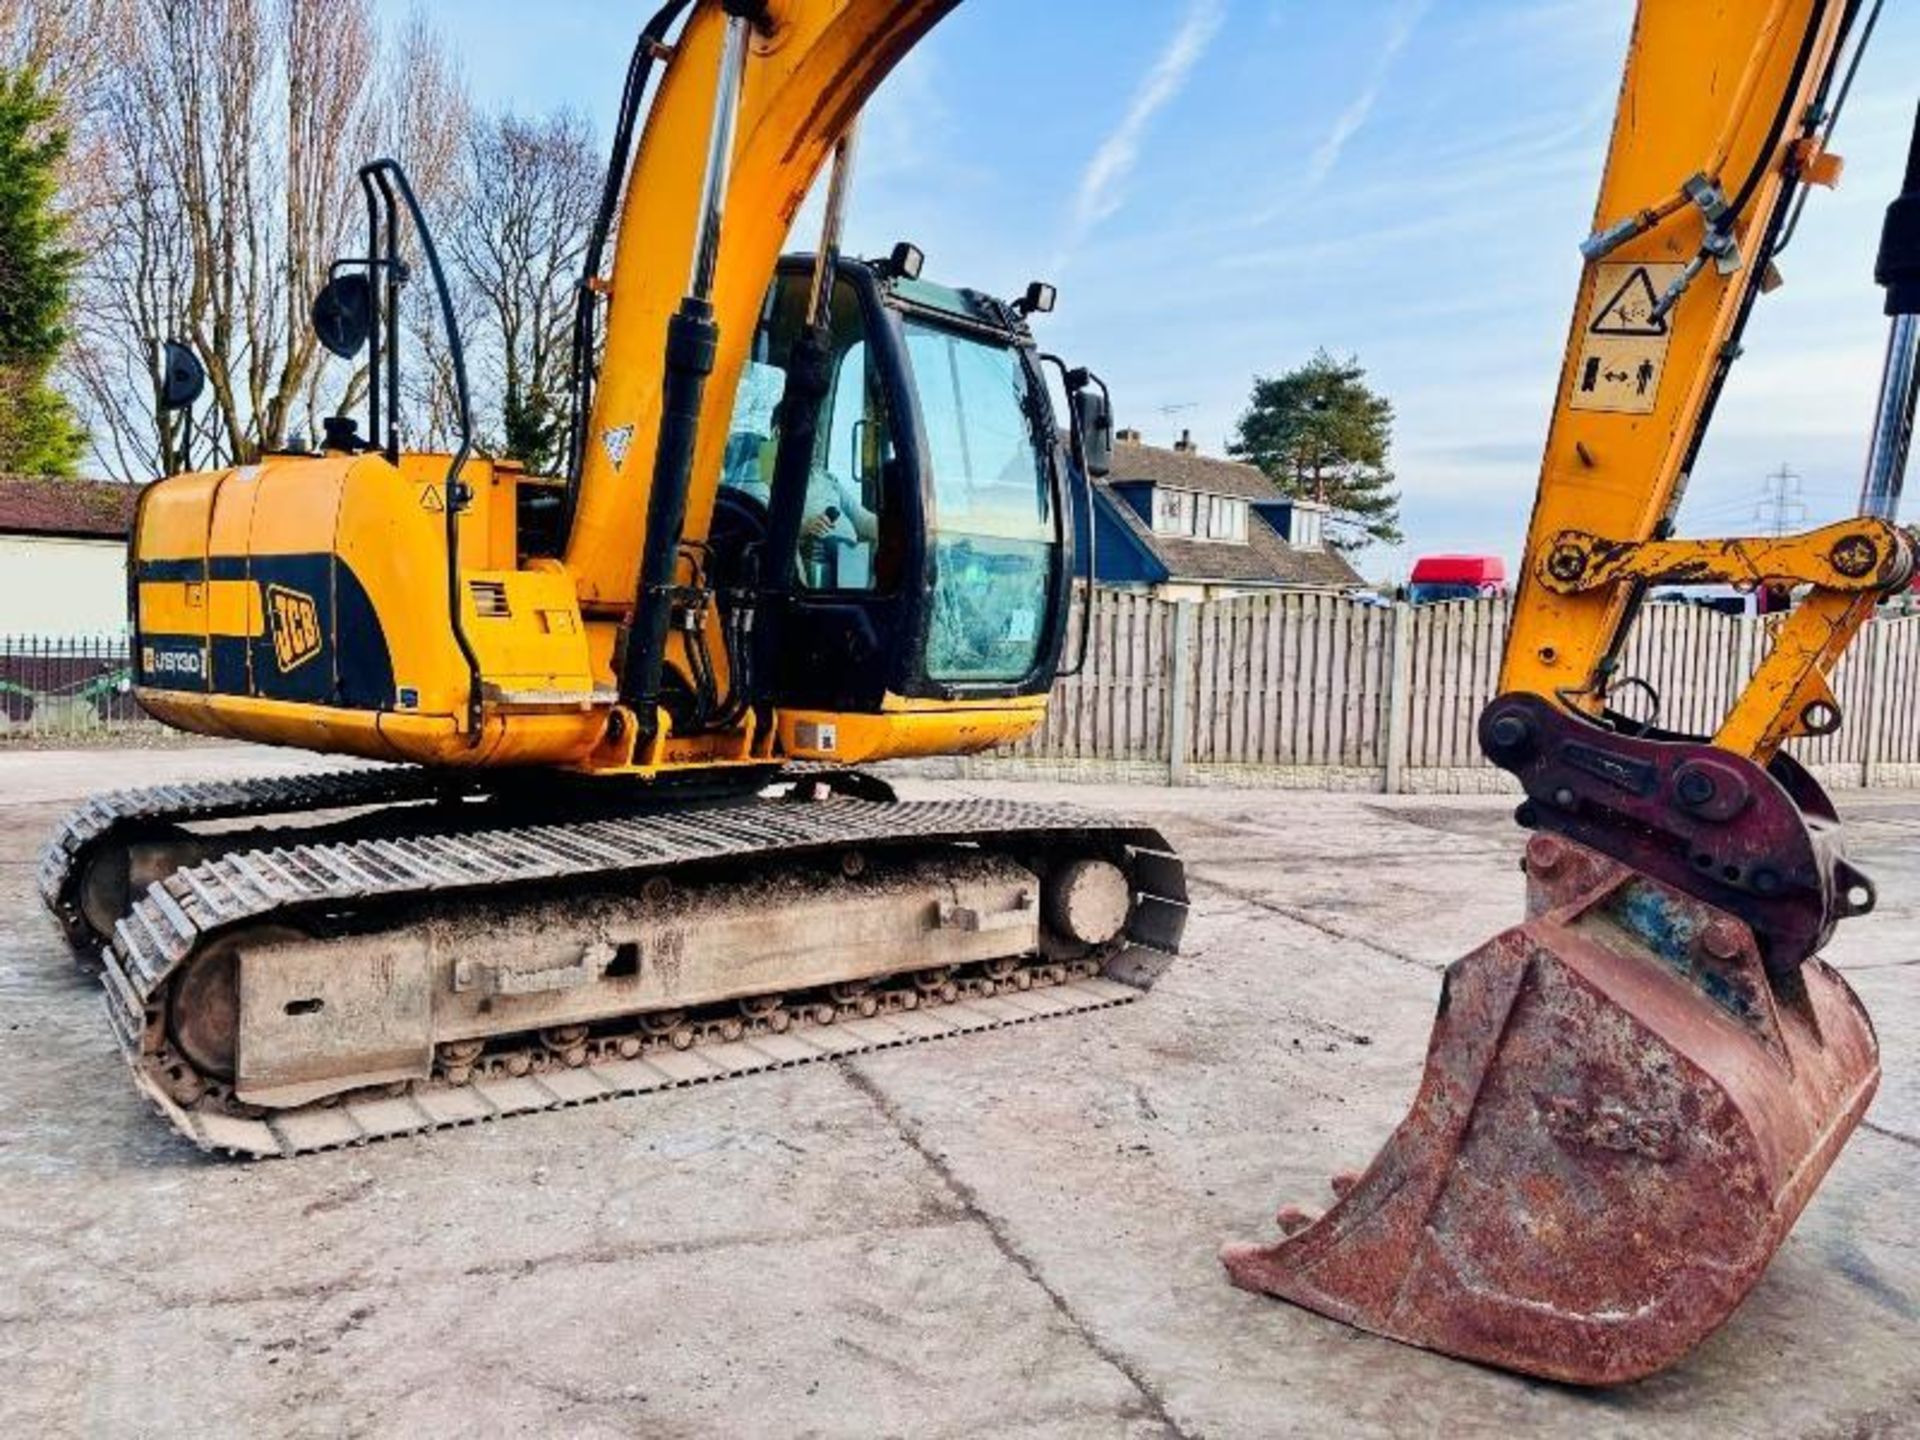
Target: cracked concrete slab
{"type": "Point", "coordinates": [1010, 1235]}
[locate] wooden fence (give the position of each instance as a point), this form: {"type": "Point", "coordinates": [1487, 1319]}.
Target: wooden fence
{"type": "Point", "coordinates": [1322, 692]}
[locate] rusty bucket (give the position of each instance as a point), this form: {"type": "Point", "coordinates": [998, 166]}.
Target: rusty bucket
{"type": "Point", "coordinates": [1621, 1118]}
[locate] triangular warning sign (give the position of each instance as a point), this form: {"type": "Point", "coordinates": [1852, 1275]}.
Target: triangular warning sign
{"type": "Point", "coordinates": [1630, 311]}
{"type": "Point", "coordinates": [430, 500]}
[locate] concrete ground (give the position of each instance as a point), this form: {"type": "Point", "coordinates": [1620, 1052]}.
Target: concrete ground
{"type": "Point", "coordinates": [1011, 1235]}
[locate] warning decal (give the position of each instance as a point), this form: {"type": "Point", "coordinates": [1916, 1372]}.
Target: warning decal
{"type": "Point", "coordinates": [1624, 346]}
{"type": "Point", "coordinates": [618, 442]}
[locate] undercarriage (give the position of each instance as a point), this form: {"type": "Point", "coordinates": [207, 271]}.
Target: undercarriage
{"type": "Point", "coordinates": [420, 964]}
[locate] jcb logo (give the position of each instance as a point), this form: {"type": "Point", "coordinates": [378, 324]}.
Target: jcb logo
{"type": "Point", "coordinates": [295, 621]}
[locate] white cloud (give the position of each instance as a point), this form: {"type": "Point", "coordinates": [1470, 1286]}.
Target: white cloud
{"type": "Point", "coordinates": [1352, 120]}
{"type": "Point", "coordinates": [1103, 183]}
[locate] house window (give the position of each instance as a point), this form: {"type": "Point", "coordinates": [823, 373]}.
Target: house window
{"type": "Point", "coordinates": [1186, 515]}
{"type": "Point", "coordinates": [1306, 529]}
{"type": "Point", "coordinates": [1227, 520]}
{"type": "Point", "coordinates": [1173, 512]}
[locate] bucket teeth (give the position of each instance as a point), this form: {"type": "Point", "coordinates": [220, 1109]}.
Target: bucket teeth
{"type": "Point", "coordinates": [1292, 1219]}
{"type": "Point", "coordinates": [1609, 1144]}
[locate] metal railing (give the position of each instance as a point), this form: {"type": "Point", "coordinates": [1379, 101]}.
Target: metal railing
{"type": "Point", "coordinates": [59, 685]}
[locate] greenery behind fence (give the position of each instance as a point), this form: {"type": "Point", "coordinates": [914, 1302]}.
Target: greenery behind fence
{"type": "Point", "coordinates": [58, 686]}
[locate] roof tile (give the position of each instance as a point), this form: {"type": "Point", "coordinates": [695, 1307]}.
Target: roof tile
{"type": "Point", "coordinates": [1190, 470]}
{"type": "Point", "coordinates": [71, 508]}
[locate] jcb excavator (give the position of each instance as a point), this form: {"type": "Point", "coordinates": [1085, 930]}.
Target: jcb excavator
{"type": "Point", "coordinates": [815, 517]}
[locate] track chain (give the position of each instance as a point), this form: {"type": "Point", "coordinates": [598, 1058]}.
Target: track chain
{"type": "Point", "coordinates": [102, 818]}
{"type": "Point", "coordinates": [606, 1074]}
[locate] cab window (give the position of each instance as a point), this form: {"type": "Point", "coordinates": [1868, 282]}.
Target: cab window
{"type": "Point", "coordinates": [993, 531]}
{"type": "Point", "coordinates": [845, 512]}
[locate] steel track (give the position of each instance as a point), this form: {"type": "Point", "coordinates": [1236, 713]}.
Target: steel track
{"type": "Point", "coordinates": [106, 818]}
{"type": "Point", "coordinates": [360, 885]}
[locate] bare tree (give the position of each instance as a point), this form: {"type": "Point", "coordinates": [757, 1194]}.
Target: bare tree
{"type": "Point", "coordinates": [231, 130]}
{"type": "Point", "coordinates": [518, 239]}
{"type": "Point", "coordinates": [224, 137]}
{"type": "Point", "coordinates": [58, 41]}
{"type": "Point", "coordinates": [427, 123]}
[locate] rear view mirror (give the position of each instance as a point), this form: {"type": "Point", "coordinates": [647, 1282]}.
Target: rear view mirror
{"type": "Point", "coordinates": [1093, 417]}
{"type": "Point", "coordinates": [343, 314]}
{"type": "Point", "coordinates": [182, 376]}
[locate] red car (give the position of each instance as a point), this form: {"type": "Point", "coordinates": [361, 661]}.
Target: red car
{"type": "Point", "coordinates": [1437, 578]}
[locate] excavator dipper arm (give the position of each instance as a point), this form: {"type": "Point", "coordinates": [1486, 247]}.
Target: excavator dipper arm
{"type": "Point", "coordinates": [1629, 1098]}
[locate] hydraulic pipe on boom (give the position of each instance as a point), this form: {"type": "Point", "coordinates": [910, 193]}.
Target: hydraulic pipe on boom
{"type": "Point", "coordinates": [809, 378]}
{"type": "Point", "coordinates": [692, 340]}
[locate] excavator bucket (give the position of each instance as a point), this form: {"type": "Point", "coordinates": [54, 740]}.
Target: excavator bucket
{"type": "Point", "coordinates": [1621, 1118]}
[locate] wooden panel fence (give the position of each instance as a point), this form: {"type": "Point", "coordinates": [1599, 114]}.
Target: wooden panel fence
{"type": "Point", "coordinates": [1319, 691]}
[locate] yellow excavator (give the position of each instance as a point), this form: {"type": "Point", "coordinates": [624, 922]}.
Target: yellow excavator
{"type": "Point", "coordinates": [818, 514]}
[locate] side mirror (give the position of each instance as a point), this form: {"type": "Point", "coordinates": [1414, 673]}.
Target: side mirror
{"type": "Point", "coordinates": [1093, 418]}
{"type": "Point", "coordinates": [343, 314]}
{"type": "Point", "coordinates": [182, 377]}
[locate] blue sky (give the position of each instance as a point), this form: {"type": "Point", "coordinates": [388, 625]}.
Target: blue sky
{"type": "Point", "coordinates": [1221, 186]}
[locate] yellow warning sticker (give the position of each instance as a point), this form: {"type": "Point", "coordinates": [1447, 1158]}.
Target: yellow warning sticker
{"type": "Point", "coordinates": [1623, 353]}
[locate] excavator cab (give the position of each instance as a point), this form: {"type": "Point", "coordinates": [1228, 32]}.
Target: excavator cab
{"type": "Point", "coordinates": [926, 555]}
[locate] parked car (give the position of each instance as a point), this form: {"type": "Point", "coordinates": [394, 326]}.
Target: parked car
{"type": "Point", "coordinates": [1727, 599]}
{"type": "Point", "coordinates": [1438, 578]}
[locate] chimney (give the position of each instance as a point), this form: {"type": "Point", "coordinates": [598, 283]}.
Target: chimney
{"type": "Point", "coordinates": [1128, 437]}
{"type": "Point", "coordinates": [1185, 443]}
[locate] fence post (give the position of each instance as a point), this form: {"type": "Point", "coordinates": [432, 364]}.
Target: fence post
{"type": "Point", "coordinates": [1399, 698]}
{"type": "Point", "coordinates": [1875, 702]}
{"type": "Point", "coordinates": [1180, 727]}
{"type": "Point", "coordinates": [1753, 644]}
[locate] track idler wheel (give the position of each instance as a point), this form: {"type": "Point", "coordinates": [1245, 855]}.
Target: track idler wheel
{"type": "Point", "coordinates": [203, 1008]}
{"type": "Point", "coordinates": [1620, 1120]}
{"type": "Point", "coordinates": [118, 874]}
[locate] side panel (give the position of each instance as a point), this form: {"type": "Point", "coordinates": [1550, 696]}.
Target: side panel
{"type": "Point", "coordinates": [303, 602]}
{"type": "Point", "coordinates": [238, 617]}
{"type": "Point", "coordinates": [168, 585]}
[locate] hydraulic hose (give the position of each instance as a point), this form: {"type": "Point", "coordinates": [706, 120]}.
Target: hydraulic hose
{"type": "Point", "coordinates": [693, 340]}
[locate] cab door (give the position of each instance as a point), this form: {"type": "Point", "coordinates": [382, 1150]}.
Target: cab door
{"type": "Point", "coordinates": [838, 591]}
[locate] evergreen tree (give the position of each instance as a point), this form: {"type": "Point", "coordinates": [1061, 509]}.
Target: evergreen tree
{"type": "Point", "coordinates": [533, 425]}
{"type": "Point", "coordinates": [1321, 434]}
{"type": "Point", "coordinates": [38, 435]}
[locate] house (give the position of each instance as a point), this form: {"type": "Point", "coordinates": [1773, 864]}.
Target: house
{"type": "Point", "coordinates": [63, 557]}
{"type": "Point", "coordinates": [1189, 526]}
